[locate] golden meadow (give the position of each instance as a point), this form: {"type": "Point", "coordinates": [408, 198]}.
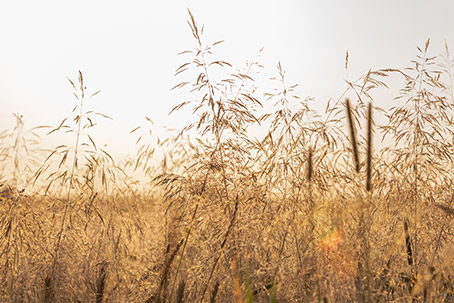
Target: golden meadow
{"type": "Point", "coordinates": [312, 211]}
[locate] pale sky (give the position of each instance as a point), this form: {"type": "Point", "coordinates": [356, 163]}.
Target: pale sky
{"type": "Point", "coordinates": [127, 49]}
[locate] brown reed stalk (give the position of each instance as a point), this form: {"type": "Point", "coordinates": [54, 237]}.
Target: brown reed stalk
{"type": "Point", "coordinates": [214, 292]}
{"type": "Point", "coordinates": [309, 164]}
{"type": "Point", "coordinates": [364, 279]}
{"type": "Point", "coordinates": [101, 282]}
{"type": "Point", "coordinates": [180, 291]}
{"type": "Point", "coordinates": [351, 127]}
{"type": "Point", "coordinates": [368, 188]}
{"type": "Point", "coordinates": [408, 245]}
{"type": "Point", "coordinates": [411, 278]}
{"type": "Point", "coordinates": [369, 148]}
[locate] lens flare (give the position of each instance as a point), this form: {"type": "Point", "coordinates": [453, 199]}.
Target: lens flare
{"type": "Point", "coordinates": [332, 240]}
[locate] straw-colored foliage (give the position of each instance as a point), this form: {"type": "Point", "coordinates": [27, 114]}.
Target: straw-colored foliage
{"type": "Point", "coordinates": [310, 211]}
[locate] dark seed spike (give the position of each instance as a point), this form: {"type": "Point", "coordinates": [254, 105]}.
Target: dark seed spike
{"type": "Point", "coordinates": [214, 292]}
{"type": "Point", "coordinates": [351, 127]}
{"type": "Point", "coordinates": [369, 148]}
{"type": "Point", "coordinates": [408, 245]}
{"type": "Point", "coordinates": [309, 164]}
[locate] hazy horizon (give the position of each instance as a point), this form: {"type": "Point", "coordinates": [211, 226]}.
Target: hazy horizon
{"type": "Point", "coordinates": [129, 52]}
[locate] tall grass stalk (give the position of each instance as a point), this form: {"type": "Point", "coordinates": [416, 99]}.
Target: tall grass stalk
{"type": "Point", "coordinates": [353, 139]}
{"type": "Point", "coordinates": [369, 148]}
{"type": "Point", "coordinates": [78, 121]}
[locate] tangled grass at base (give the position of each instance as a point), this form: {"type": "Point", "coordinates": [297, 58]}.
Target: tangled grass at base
{"type": "Point", "coordinates": [310, 212]}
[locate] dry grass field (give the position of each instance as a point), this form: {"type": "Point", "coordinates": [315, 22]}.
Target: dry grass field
{"type": "Point", "coordinates": [313, 211]}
